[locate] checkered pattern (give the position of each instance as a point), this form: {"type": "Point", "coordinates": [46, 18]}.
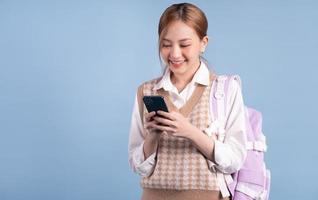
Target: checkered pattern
{"type": "Point", "coordinates": [179, 164]}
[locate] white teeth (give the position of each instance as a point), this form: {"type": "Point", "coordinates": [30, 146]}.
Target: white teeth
{"type": "Point", "coordinates": [176, 62]}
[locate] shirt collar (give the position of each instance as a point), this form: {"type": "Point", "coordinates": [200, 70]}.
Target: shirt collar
{"type": "Point", "coordinates": [202, 76]}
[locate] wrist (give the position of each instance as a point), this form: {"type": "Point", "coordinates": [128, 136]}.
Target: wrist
{"type": "Point", "coordinates": [153, 136]}
{"type": "Point", "coordinates": [151, 144]}
{"type": "Point", "coordinates": [193, 131]}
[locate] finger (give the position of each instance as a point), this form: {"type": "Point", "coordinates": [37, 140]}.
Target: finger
{"type": "Point", "coordinates": [166, 115]}
{"type": "Point", "coordinates": [164, 121]}
{"type": "Point", "coordinates": [150, 115]}
{"type": "Point", "coordinates": [175, 134]}
{"type": "Point", "coordinates": [151, 128]}
{"type": "Point", "coordinates": [164, 128]}
{"type": "Point", "coordinates": [172, 133]}
{"type": "Point", "coordinates": [149, 125]}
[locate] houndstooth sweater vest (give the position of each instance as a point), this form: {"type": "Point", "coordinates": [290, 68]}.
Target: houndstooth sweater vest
{"type": "Point", "coordinates": [179, 165]}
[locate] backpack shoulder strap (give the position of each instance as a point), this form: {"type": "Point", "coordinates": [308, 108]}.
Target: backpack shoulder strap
{"type": "Point", "coordinates": [219, 94]}
{"type": "Point", "coordinates": [218, 109]}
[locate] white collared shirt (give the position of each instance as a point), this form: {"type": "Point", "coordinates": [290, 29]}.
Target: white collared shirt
{"type": "Point", "coordinates": [179, 99]}
{"type": "Point", "coordinates": [229, 155]}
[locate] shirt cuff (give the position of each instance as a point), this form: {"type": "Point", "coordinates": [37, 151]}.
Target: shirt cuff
{"type": "Point", "coordinates": [221, 156]}
{"type": "Point", "coordinates": [211, 165]}
{"type": "Point", "coordinates": [144, 167]}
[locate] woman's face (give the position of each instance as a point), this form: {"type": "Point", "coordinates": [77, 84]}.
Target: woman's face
{"type": "Point", "coordinates": [181, 47]}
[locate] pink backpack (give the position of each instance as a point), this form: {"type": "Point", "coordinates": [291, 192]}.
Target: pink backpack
{"type": "Point", "coordinates": [252, 181]}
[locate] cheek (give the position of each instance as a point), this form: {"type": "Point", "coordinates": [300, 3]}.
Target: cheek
{"type": "Point", "coordinates": [197, 51]}
{"type": "Point", "coordinates": [191, 53]}
{"type": "Point", "coordinates": [164, 53]}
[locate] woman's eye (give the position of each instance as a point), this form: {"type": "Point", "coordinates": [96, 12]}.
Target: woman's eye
{"type": "Point", "coordinates": [184, 45]}
{"type": "Point", "coordinates": [166, 45]}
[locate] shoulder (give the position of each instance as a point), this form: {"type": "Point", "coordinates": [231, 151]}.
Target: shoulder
{"type": "Point", "coordinates": [229, 81]}
{"type": "Point", "coordinates": [149, 84]}
{"type": "Point", "coordinates": [228, 85]}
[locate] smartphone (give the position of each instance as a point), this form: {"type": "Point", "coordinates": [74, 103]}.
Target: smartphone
{"type": "Point", "coordinates": [155, 103]}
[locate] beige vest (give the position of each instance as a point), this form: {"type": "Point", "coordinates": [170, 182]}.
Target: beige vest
{"type": "Point", "coordinates": [179, 165]}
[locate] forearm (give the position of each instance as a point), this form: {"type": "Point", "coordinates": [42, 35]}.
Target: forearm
{"type": "Point", "coordinates": [203, 143]}
{"type": "Point", "coordinates": [151, 144]}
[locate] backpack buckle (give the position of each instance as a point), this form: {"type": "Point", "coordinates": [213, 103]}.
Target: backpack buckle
{"type": "Point", "coordinates": [219, 95]}
{"type": "Point", "coordinates": [256, 146]}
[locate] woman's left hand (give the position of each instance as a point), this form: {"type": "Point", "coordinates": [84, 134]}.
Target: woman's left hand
{"type": "Point", "coordinates": [174, 123]}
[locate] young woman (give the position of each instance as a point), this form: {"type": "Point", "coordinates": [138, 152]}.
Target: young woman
{"type": "Point", "coordinates": [171, 151]}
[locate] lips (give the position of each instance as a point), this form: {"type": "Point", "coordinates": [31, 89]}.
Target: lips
{"type": "Point", "coordinates": [176, 63]}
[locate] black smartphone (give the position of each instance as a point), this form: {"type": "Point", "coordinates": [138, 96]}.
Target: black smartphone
{"type": "Point", "coordinates": [155, 103]}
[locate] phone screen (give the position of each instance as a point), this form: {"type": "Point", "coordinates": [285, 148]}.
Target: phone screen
{"type": "Point", "coordinates": [155, 103]}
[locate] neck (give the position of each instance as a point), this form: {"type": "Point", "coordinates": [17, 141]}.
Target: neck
{"type": "Point", "coordinates": [181, 80]}
{"type": "Point", "coordinates": [185, 78]}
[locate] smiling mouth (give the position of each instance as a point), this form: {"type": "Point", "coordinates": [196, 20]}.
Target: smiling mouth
{"type": "Point", "coordinates": [176, 63]}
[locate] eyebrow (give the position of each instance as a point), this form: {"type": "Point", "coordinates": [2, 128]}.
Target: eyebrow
{"type": "Point", "coordinates": [185, 39]}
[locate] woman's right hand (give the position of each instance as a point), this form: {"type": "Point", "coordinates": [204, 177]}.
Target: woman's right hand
{"type": "Point", "coordinates": [149, 124]}
{"type": "Point", "coordinates": [153, 135]}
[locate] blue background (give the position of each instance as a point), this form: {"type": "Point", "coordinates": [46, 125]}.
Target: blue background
{"type": "Point", "coordinates": [69, 71]}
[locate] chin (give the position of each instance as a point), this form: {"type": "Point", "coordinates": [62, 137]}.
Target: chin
{"type": "Point", "coordinates": [180, 70]}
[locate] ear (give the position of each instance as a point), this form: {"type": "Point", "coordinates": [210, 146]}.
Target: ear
{"type": "Point", "coordinates": [204, 43]}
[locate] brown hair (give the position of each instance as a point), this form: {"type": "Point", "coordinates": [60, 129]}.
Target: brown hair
{"type": "Point", "coordinates": [187, 13]}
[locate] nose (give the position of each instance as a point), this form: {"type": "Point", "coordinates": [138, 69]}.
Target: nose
{"type": "Point", "coordinates": [175, 52]}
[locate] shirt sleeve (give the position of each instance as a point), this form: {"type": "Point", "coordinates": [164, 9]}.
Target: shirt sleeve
{"type": "Point", "coordinates": [135, 146]}
{"type": "Point", "coordinates": [230, 154]}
